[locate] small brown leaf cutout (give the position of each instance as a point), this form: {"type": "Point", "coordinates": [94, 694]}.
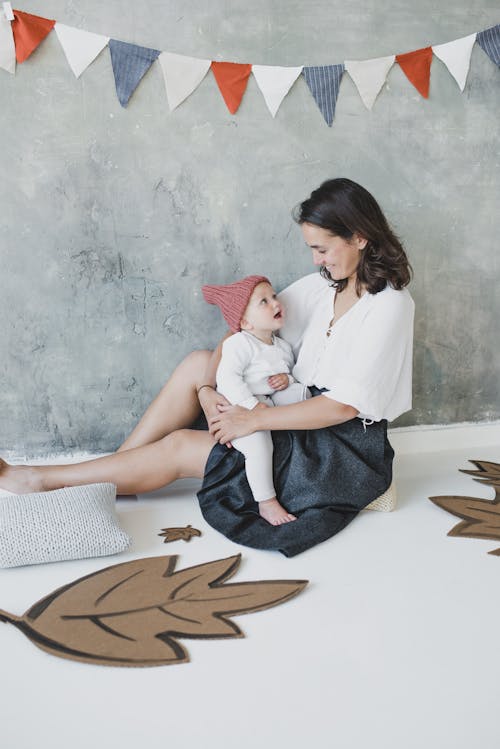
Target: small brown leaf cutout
{"type": "Point", "coordinates": [481, 517]}
{"type": "Point", "coordinates": [131, 614]}
{"type": "Point", "coordinates": [178, 534]}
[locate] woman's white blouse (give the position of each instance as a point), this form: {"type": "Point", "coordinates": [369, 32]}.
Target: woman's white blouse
{"type": "Point", "coordinates": [366, 362]}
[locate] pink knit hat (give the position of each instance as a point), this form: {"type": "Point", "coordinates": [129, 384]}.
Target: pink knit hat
{"type": "Point", "coordinates": [233, 298]}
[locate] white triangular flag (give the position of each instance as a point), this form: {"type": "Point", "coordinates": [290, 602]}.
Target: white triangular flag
{"type": "Point", "coordinates": [369, 76]}
{"type": "Point", "coordinates": [275, 82]}
{"type": "Point", "coordinates": [80, 47]}
{"type": "Point", "coordinates": [7, 48]}
{"type": "Point", "coordinates": [182, 75]}
{"type": "Point", "coordinates": [456, 57]}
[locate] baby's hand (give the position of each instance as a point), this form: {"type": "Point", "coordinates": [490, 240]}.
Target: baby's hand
{"type": "Point", "coordinates": [278, 382]}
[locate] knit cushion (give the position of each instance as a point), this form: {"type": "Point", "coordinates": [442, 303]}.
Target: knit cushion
{"type": "Point", "coordinates": [71, 523]}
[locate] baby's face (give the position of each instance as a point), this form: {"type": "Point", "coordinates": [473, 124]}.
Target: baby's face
{"type": "Point", "coordinates": [264, 312]}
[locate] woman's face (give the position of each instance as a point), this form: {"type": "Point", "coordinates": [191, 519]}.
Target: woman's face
{"type": "Point", "coordinates": [339, 256]}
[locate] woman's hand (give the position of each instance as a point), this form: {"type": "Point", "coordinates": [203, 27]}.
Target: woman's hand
{"type": "Point", "coordinates": [232, 422]}
{"type": "Point", "coordinates": [210, 400]}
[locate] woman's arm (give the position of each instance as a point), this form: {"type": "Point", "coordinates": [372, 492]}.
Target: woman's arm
{"type": "Point", "coordinates": [314, 413]}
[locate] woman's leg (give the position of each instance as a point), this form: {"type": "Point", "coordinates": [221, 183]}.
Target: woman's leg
{"type": "Point", "coordinates": [181, 454]}
{"type": "Point", "coordinates": [176, 406]}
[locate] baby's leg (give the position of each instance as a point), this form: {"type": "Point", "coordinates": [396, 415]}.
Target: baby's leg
{"type": "Point", "coordinates": [294, 393]}
{"type": "Point", "coordinates": [258, 451]}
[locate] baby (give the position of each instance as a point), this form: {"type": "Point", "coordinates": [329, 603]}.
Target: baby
{"type": "Point", "coordinates": [255, 368]}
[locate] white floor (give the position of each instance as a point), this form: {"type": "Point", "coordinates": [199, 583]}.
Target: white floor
{"type": "Point", "coordinates": [392, 645]}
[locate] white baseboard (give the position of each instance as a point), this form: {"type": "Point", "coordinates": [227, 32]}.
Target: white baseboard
{"type": "Point", "coordinates": [437, 437]}
{"type": "Point", "coordinates": [405, 440]}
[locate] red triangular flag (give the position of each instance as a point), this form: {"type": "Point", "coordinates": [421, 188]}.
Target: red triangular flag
{"type": "Point", "coordinates": [417, 68]}
{"type": "Point", "coordinates": [28, 32]}
{"type": "Point", "coordinates": [232, 79]}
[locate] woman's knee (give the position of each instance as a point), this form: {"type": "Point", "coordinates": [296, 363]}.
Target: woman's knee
{"type": "Point", "coordinates": [190, 450]}
{"type": "Point", "coordinates": [194, 366]}
{"type": "Point", "coordinates": [197, 358]}
{"type": "Point", "coordinates": [177, 441]}
{"type": "Point", "coordinates": [189, 371]}
{"type": "Point", "coordinates": [174, 446]}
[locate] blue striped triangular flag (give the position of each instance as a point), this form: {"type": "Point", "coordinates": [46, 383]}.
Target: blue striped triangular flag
{"type": "Point", "coordinates": [489, 40]}
{"type": "Point", "coordinates": [324, 84]}
{"type": "Point", "coordinates": [130, 64]}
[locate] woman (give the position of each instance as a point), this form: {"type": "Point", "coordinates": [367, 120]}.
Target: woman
{"type": "Point", "coordinates": [351, 329]}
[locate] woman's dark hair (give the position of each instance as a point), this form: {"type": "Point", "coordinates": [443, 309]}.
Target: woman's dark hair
{"type": "Point", "coordinates": [344, 208]}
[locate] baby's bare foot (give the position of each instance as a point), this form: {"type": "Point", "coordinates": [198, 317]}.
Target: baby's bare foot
{"type": "Point", "coordinates": [274, 513]}
{"type": "Point", "coordinates": [20, 479]}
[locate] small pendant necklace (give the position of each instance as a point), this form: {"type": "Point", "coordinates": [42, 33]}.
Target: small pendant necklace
{"type": "Point", "coordinates": [330, 324]}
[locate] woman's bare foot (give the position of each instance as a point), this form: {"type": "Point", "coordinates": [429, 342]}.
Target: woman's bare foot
{"type": "Point", "coordinates": [274, 513]}
{"type": "Point", "coordinates": [20, 479]}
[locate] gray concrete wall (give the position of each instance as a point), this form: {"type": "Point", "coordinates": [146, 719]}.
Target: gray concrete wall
{"type": "Point", "coordinates": [111, 219]}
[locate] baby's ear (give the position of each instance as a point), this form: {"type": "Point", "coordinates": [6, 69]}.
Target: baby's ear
{"type": "Point", "coordinates": [244, 324]}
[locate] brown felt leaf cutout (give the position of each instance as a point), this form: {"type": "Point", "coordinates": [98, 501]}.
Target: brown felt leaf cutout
{"type": "Point", "coordinates": [179, 534]}
{"type": "Point", "coordinates": [481, 517]}
{"type": "Point", "coordinates": [131, 614]}
{"type": "Point", "coordinates": [487, 473]}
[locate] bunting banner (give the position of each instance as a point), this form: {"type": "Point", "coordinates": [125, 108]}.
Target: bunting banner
{"type": "Point", "coordinates": [29, 31]}
{"type": "Point", "coordinates": [416, 66]}
{"type": "Point", "coordinates": [130, 65]}
{"type": "Point", "coordinates": [456, 56]}
{"type": "Point", "coordinates": [369, 76]}
{"type": "Point", "coordinates": [324, 85]}
{"type": "Point", "coordinates": [275, 82]}
{"type": "Point", "coordinates": [21, 33]}
{"type": "Point", "coordinates": [7, 48]}
{"type": "Point", "coordinates": [232, 79]}
{"type": "Point", "coordinates": [182, 76]}
{"type": "Point", "coordinates": [489, 41]}
{"type": "Point", "coordinates": [80, 47]}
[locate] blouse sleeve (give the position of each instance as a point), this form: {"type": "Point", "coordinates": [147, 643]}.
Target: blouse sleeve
{"type": "Point", "coordinates": [377, 373]}
{"type": "Point", "coordinates": [236, 356]}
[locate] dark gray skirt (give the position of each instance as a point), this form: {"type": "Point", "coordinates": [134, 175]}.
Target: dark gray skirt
{"type": "Point", "coordinates": [323, 476]}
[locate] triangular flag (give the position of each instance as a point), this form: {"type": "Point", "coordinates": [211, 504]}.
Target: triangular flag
{"type": "Point", "coordinates": [456, 57]}
{"type": "Point", "coordinates": [369, 76]}
{"type": "Point", "coordinates": [182, 76]}
{"type": "Point", "coordinates": [275, 82]}
{"type": "Point", "coordinates": [416, 66]}
{"type": "Point", "coordinates": [29, 31]}
{"type": "Point", "coordinates": [489, 41]}
{"type": "Point", "coordinates": [232, 79]}
{"type": "Point", "coordinates": [324, 83]}
{"type": "Point", "coordinates": [130, 64]}
{"type": "Point", "coordinates": [7, 48]}
{"type": "Point", "coordinates": [80, 47]}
